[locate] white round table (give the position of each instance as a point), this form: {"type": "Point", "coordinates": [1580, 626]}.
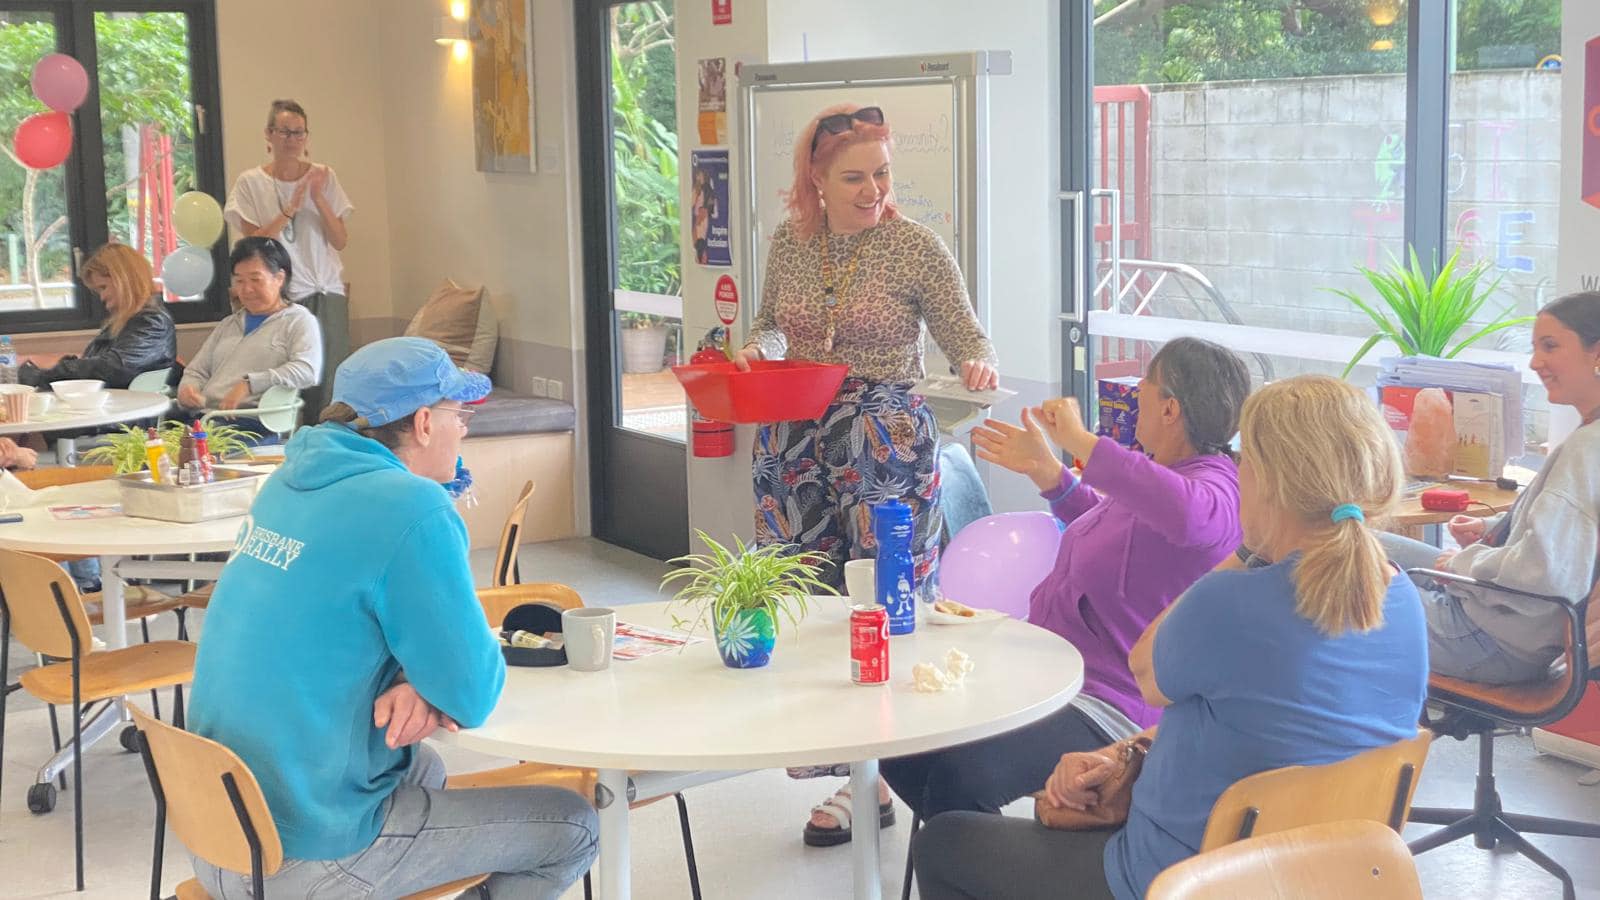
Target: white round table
{"type": "Point", "coordinates": [113, 539]}
{"type": "Point", "coordinates": [123, 406]}
{"type": "Point", "coordinates": [685, 711]}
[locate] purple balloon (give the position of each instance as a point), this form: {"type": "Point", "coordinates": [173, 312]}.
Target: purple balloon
{"type": "Point", "coordinates": [60, 82]}
{"type": "Point", "coordinates": [997, 561]}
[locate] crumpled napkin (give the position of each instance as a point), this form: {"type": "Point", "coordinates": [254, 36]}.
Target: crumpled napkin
{"type": "Point", "coordinates": [928, 678]}
{"type": "Point", "coordinates": [13, 493]}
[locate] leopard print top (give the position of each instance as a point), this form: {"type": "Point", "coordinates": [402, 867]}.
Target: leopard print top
{"type": "Point", "coordinates": [903, 278]}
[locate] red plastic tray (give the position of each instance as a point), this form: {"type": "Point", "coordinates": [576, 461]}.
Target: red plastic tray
{"type": "Point", "coordinates": [778, 390]}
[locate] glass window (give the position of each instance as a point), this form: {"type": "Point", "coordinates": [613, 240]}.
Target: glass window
{"type": "Point", "coordinates": [36, 265]}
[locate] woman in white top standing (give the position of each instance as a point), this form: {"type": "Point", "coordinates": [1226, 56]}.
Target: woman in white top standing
{"type": "Point", "coordinates": [302, 205]}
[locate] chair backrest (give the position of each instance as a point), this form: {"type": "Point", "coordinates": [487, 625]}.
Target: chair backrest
{"type": "Point", "coordinates": [497, 601]}
{"type": "Point", "coordinates": [280, 408]}
{"type": "Point", "coordinates": [155, 382]}
{"type": "Point", "coordinates": [57, 475]}
{"type": "Point", "coordinates": [1376, 785]}
{"type": "Point", "coordinates": [30, 585]}
{"type": "Point", "coordinates": [192, 771]}
{"type": "Point", "coordinates": [1333, 860]}
{"type": "Point", "coordinates": [505, 562]}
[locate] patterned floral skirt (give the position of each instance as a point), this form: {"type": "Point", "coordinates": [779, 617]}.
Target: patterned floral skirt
{"type": "Point", "coordinates": [816, 481]}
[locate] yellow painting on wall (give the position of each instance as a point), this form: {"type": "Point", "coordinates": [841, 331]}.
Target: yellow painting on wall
{"type": "Point", "coordinates": [502, 85]}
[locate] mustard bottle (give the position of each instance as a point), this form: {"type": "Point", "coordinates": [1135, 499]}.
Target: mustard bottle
{"type": "Point", "coordinates": [154, 450]}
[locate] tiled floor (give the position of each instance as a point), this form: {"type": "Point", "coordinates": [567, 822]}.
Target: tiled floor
{"type": "Point", "coordinates": [747, 830]}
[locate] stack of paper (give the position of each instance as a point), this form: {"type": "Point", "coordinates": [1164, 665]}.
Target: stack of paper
{"type": "Point", "coordinates": [1486, 399]}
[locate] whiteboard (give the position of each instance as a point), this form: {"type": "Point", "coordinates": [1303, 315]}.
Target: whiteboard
{"type": "Point", "coordinates": [937, 109]}
{"type": "Point", "coordinates": [922, 118]}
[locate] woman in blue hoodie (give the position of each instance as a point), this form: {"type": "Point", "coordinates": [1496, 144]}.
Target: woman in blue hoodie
{"type": "Point", "coordinates": [345, 629]}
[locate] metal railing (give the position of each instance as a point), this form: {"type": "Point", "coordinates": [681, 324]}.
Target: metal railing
{"type": "Point", "coordinates": [1151, 287]}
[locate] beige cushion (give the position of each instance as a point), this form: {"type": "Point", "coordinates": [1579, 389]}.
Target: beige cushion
{"type": "Point", "coordinates": [460, 320]}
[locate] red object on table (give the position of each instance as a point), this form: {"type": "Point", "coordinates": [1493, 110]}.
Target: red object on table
{"type": "Point", "coordinates": [1445, 500]}
{"type": "Point", "coordinates": [778, 390]}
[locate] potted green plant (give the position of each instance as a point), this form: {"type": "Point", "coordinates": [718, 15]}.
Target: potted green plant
{"type": "Point", "coordinates": [1421, 314]}
{"type": "Point", "coordinates": [741, 593]}
{"type": "Point", "coordinates": [643, 338]}
{"type": "Point", "coordinates": [124, 450]}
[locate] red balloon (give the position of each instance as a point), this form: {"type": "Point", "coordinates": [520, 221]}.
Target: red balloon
{"type": "Point", "coordinates": [44, 140]}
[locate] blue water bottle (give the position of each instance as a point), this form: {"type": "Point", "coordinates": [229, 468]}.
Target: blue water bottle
{"type": "Point", "coordinates": [891, 526]}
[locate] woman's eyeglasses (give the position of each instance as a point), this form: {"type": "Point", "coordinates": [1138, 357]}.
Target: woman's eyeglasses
{"type": "Point", "coordinates": [293, 134]}
{"type": "Point", "coordinates": [839, 123]}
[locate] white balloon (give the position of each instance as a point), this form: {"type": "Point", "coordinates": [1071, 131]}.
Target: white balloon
{"type": "Point", "coordinates": [188, 272]}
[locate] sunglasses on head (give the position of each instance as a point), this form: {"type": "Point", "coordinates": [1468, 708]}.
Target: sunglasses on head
{"type": "Point", "coordinates": [839, 123]}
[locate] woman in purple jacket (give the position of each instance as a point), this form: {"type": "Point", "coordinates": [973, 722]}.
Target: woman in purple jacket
{"type": "Point", "coordinates": [1141, 528]}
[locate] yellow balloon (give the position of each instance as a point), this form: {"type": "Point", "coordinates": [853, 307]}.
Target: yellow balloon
{"type": "Point", "coordinates": [197, 218]}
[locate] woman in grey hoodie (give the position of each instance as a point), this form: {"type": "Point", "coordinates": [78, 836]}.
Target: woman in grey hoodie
{"type": "Point", "coordinates": [268, 342]}
{"type": "Point", "coordinates": [1546, 544]}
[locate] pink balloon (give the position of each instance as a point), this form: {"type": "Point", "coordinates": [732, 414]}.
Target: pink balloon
{"type": "Point", "coordinates": [997, 561]}
{"type": "Point", "coordinates": [44, 140]}
{"type": "Point", "coordinates": [60, 82]}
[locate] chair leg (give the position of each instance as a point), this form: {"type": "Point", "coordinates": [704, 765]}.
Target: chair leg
{"type": "Point", "coordinates": [182, 613]}
{"type": "Point", "coordinates": [1541, 825]}
{"type": "Point", "coordinates": [1509, 836]}
{"type": "Point", "coordinates": [905, 884]}
{"type": "Point", "coordinates": [77, 764]}
{"type": "Point", "coordinates": [588, 887]}
{"type": "Point", "coordinates": [1453, 830]}
{"type": "Point", "coordinates": [55, 739]}
{"type": "Point", "coordinates": [688, 846]}
{"type": "Point", "coordinates": [178, 720]}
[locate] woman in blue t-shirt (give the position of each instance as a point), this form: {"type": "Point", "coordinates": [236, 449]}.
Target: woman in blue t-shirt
{"type": "Point", "coordinates": [1316, 655]}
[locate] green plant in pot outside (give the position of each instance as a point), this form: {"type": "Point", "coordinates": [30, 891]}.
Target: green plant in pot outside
{"type": "Point", "coordinates": [1423, 314]}
{"type": "Point", "coordinates": [743, 593]}
{"type": "Point", "coordinates": [124, 450]}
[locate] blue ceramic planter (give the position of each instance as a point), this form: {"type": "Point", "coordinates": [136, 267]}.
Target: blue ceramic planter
{"type": "Point", "coordinates": [747, 641]}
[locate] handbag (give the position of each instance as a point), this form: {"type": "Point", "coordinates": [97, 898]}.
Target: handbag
{"type": "Point", "coordinates": [1115, 795]}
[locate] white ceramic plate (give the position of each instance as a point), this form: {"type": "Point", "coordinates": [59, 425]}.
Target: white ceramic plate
{"type": "Point", "coordinates": [936, 617]}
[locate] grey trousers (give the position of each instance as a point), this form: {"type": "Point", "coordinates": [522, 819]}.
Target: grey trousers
{"type": "Point", "coordinates": [983, 856]}
{"type": "Point", "coordinates": [333, 318]}
{"type": "Point", "coordinates": [537, 840]}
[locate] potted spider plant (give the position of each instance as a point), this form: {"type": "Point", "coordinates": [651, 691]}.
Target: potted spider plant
{"type": "Point", "coordinates": [124, 450]}
{"type": "Point", "coordinates": [743, 593]}
{"type": "Point", "coordinates": [1422, 314]}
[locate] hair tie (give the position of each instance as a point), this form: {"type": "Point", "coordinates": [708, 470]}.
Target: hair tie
{"type": "Point", "coordinates": [1347, 511]}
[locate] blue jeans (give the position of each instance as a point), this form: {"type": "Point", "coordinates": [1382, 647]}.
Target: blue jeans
{"type": "Point", "coordinates": [1457, 646]}
{"type": "Point", "coordinates": [536, 840]}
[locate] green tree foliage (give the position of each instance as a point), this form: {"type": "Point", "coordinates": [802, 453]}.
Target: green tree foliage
{"type": "Point", "coordinates": [1170, 41]}
{"type": "Point", "coordinates": [645, 147]}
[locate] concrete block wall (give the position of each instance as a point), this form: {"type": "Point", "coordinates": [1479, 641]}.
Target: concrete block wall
{"type": "Point", "coordinates": [1276, 190]}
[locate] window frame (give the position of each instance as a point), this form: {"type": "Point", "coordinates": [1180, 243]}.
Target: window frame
{"type": "Point", "coordinates": [87, 226]}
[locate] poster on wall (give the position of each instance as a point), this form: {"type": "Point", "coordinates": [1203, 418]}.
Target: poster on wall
{"type": "Point", "coordinates": [502, 85]}
{"type": "Point", "coordinates": [708, 204]}
{"type": "Point", "coordinates": [722, 12]}
{"type": "Point", "coordinates": [713, 121]}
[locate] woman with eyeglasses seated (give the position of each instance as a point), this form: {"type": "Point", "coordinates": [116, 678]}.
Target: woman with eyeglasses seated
{"type": "Point", "coordinates": [268, 342]}
{"type": "Point", "coordinates": [137, 336]}
{"type": "Point", "coordinates": [850, 280]}
{"type": "Point", "coordinates": [1319, 654]}
{"type": "Point", "coordinates": [303, 206]}
{"type": "Point", "coordinates": [1545, 544]}
{"type": "Point", "coordinates": [1141, 527]}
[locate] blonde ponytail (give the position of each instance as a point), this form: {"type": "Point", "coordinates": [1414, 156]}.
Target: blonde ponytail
{"type": "Point", "coordinates": [1319, 452]}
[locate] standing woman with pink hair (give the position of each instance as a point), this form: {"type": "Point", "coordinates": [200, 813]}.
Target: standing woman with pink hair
{"type": "Point", "coordinates": [850, 280]}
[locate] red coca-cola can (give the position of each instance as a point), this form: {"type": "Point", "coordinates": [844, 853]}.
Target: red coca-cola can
{"type": "Point", "coordinates": [869, 644]}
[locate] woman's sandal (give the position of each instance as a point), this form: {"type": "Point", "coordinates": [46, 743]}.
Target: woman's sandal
{"type": "Point", "coordinates": [839, 806]}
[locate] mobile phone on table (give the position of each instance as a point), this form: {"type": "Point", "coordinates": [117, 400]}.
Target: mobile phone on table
{"type": "Point", "coordinates": [10, 518]}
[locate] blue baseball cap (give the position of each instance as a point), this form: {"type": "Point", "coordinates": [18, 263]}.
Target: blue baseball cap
{"type": "Point", "coordinates": [393, 378]}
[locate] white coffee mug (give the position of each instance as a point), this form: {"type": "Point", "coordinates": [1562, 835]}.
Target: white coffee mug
{"type": "Point", "coordinates": [588, 633]}
{"type": "Point", "coordinates": [861, 580]}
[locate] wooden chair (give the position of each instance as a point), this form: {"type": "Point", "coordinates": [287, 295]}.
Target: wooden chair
{"type": "Point", "coordinates": [218, 811]}
{"type": "Point", "coordinates": [1376, 785]}
{"type": "Point", "coordinates": [505, 562]}
{"type": "Point", "coordinates": [1480, 710]}
{"type": "Point", "coordinates": [41, 604]}
{"type": "Point", "coordinates": [497, 601]}
{"type": "Point", "coordinates": [1353, 858]}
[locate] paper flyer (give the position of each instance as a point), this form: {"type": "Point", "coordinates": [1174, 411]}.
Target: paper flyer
{"type": "Point", "coordinates": [637, 641]}
{"type": "Point", "coordinates": [713, 118]}
{"type": "Point", "coordinates": [708, 199]}
{"type": "Point", "coordinates": [85, 512]}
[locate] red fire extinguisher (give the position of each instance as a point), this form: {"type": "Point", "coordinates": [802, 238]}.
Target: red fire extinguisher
{"type": "Point", "coordinates": [711, 438]}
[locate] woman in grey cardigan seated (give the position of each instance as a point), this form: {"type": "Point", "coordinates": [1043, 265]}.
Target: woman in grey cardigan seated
{"type": "Point", "coordinates": [1544, 545]}
{"type": "Point", "coordinates": [268, 342]}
